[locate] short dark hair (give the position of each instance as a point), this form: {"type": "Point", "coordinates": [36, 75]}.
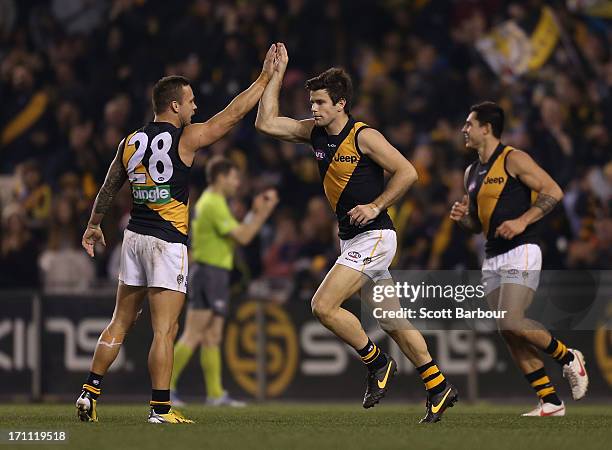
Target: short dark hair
{"type": "Point", "coordinates": [218, 165]}
{"type": "Point", "coordinates": [337, 82]}
{"type": "Point", "coordinates": [491, 113]}
{"type": "Point", "coordinates": [167, 90]}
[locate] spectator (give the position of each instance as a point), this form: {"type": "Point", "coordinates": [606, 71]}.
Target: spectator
{"type": "Point", "coordinates": [74, 82]}
{"type": "Point", "coordinates": [64, 264]}
{"type": "Point", "coordinates": [19, 251]}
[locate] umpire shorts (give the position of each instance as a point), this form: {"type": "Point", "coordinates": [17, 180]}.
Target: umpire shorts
{"type": "Point", "coordinates": [209, 288]}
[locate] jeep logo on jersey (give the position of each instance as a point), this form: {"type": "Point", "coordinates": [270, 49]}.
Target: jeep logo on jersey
{"type": "Point", "coordinates": [151, 194]}
{"type": "Point", "coordinates": [349, 159]}
{"type": "Point", "coordinates": [494, 180]}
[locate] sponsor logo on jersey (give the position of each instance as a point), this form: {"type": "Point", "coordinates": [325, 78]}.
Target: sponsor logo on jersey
{"type": "Point", "coordinates": [320, 154]}
{"type": "Point", "coordinates": [347, 158]}
{"type": "Point", "coordinates": [158, 195]}
{"type": "Point", "coordinates": [355, 255]}
{"type": "Point", "coordinates": [494, 180]}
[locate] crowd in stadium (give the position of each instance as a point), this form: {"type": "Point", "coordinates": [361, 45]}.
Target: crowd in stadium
{"type": "Point", "coordinates": [76, 77]}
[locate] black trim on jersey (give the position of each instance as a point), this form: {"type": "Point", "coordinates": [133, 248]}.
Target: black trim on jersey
{"type": "Point", "coordinates": [162, 229]}
{"type": "Point", "coordinates": [505, 168]}
{"type": "Point", "coordinates": [472, 199]}
{"type": "Point", "coordinates": [345, 131]}
{"type": "Point", "coordinates": [357, 135]}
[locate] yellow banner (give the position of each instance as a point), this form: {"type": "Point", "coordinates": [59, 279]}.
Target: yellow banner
{"type": "Point", "coordinates": [511, 51]}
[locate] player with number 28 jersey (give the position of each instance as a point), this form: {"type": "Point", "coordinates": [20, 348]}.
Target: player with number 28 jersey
{"type": "Point", "coordinates": [158, 180]}
{"type": "Point", "coordinates": [156, 160]}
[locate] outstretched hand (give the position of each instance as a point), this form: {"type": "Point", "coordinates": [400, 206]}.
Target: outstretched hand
{"type": "Point", "coordinates": [282, 57]}
{"type": "Point", "coordinates": [270, 61]}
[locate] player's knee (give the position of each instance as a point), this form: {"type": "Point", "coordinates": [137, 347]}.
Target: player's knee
{"type": "Point", "coordinates": [122, 323]}
{"type": "Point", "coordinates": [510, 324]}
{"type": "Point", "coordinates": [190, 340]}
{"type": "Point", "coordinates": [322, 307]}
{"type": "Point", "coordinates": [174, 330]}
{"type": "Point", "coordinates": [168, 330]}
{"type": "Point", "coordinates": [214, 338]}
{"type": "Point", "coordinates": [510, 335]}
{"type": "Point", "coordinates": [119, 326]}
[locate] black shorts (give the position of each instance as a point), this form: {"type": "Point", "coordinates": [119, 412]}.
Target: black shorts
{"type": "Point", "coordinates": [209, 288]}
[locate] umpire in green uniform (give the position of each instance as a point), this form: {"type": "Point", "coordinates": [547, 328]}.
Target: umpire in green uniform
{"type": "Point", "coordinates": [215, 231]}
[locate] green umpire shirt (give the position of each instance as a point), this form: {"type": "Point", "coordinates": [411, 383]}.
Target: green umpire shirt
{"type": "Point", "coordinates": [211, 243]}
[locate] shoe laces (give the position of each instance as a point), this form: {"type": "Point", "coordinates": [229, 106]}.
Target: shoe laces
{"type": "Point", "coordinates": [570, 374]}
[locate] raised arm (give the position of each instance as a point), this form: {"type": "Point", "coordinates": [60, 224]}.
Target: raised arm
{"type": "Point", "coordinates": [198, 135]}
{"type": "Point", "coordinates": [403, 175]}
{"type": "Point", "coordinates": [268, 121]}
{"type": "Point", "coordinates": [263, 206]}
{"type": "Point", "coordinates": [520, 165]}
{"type": "Point", "coordinates": [115, 178]}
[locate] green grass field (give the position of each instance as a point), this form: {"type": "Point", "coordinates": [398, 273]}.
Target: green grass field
{"type": "Point", "coordinates": [317, 427]}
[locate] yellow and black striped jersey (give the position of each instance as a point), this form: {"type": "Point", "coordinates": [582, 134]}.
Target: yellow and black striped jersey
{"type": "Point", "coordinates": [349, 177]}
{"type": "Point", "coordinates": [158, 181]}
{"type": "Point", "coordinates": [498, 196]}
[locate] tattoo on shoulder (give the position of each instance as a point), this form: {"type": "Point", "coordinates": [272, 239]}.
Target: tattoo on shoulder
{"type": "Point", "coordinates": [115, 178]}
{"type": "Point", "coordinates": [545, 202]}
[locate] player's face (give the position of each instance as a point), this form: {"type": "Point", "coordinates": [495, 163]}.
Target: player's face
{"type": "Point", "coordinates": [188, 107]}
{"type": "Point", "coordinates": [231, 183]}
{"type": "Point", "coordinates": [473, 131]}
{"type": "Point", "coordinates": [324, 111]}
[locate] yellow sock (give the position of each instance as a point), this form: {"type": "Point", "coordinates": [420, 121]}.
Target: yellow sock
{"type": "Point", "coordinates": [182, 355]}
{"type": "Point", "coordinates": [210, 359]}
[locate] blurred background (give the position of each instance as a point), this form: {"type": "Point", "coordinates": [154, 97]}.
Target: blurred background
{"type": "Point", "coordinates": [76, 77]}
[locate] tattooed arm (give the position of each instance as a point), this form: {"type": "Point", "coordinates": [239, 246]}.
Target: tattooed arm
{"type": "Point", "coordinates": [115, 178]}
{"type": "Point", "coordinates": [520, 165]}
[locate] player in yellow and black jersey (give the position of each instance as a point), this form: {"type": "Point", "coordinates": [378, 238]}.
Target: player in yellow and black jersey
{"type": "Point", "coordinates": [156, 160]}
{"type": "Point", "coordinates": [507, 195]}
{"type": "Point", "coordinates": [158, 181]}
{"type": "Point", "coordinates": [349, 177]}
{"type": "Point", "coordinates": [352, 159]}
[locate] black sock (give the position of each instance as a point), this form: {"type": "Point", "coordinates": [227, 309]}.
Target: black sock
{"type": "Point", "coordinates": [160, 401]}
{"type": "Point", "coordinates": [93, 385]}
{"type": "Point", "coordinates": [434, 380]}
{"type": "Point", "coordinates": [372, 357]}
{"type": "Point", "coordinates": [559, 352]}
{"type": "Point", "coordinates": [541, 384]}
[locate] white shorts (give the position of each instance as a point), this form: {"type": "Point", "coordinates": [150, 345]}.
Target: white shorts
{"type": "Point", "coordinates": [521, 265]}
{"type": "Point", "coordinates": [152, 262]}
{"type": "Point", "coordinates": [370, 252]}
